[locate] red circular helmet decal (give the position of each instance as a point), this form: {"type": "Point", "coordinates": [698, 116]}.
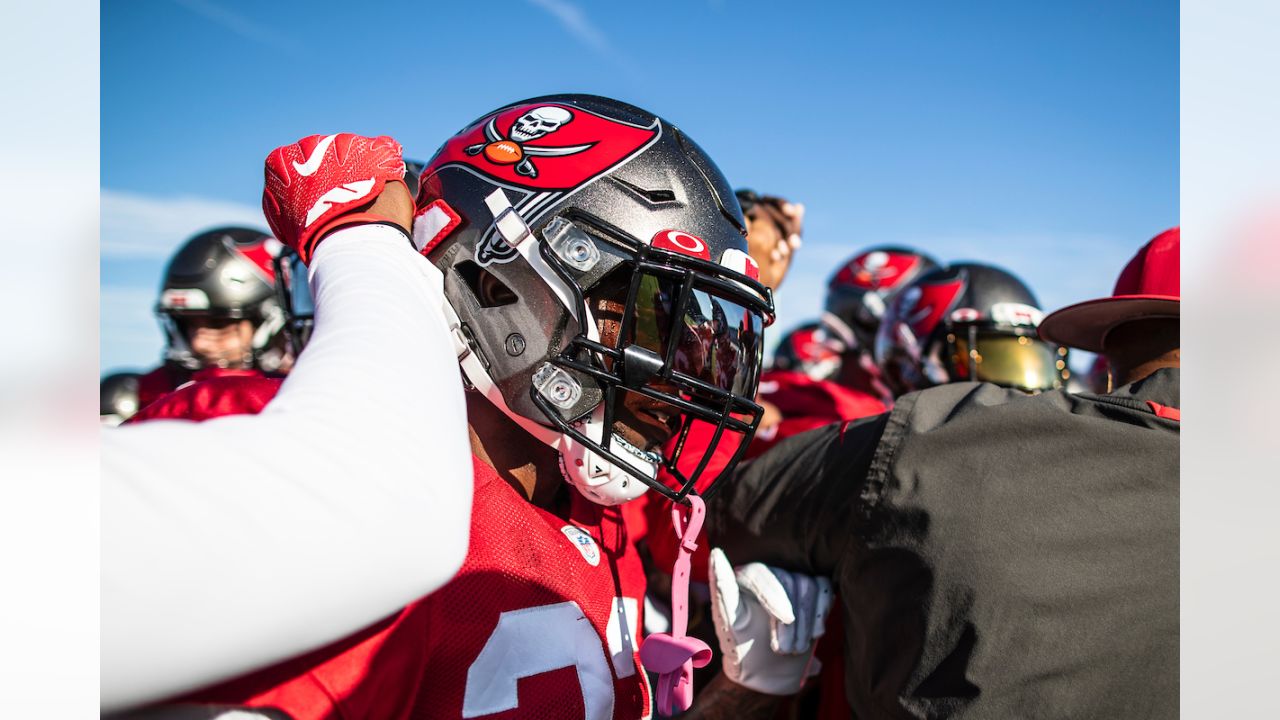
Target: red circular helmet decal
{"type": "Point", "coordinates": [682, 242]}
{"type": "Point", "coordinates": [544, 146]}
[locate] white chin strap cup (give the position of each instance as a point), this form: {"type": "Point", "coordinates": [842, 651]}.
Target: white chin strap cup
{"type": "Point", "coordinates": [598, 479]}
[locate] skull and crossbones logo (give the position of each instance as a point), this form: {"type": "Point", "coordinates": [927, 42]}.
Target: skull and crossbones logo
{"type": "Point", "coordinates": [512, 150]}
{"type": "Point", "coordinates": [874, 268]}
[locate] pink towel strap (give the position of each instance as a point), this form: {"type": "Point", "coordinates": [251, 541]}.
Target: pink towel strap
{"type": "Point", "coordinates": [674, 656]}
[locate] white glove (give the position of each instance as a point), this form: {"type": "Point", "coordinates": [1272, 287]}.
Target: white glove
{"type": "Point", "coordinates": [788, 609]}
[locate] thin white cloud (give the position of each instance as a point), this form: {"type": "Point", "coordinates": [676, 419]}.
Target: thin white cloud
{"type": "Point", "coordinates": [146, 226]}
{"type": "Point", "coordinates": [238, 24]}
{"type": "Point", "coordinates": [574, 21]}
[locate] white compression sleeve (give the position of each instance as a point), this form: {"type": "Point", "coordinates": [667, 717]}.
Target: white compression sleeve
{"type": "Point", "coordinates": [238, 542]}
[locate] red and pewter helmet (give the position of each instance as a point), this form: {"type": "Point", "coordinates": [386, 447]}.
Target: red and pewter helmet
{"type": "Point", "coordinates": [538, 209]}
{"type": "Point", "coordinates": [226, 273]}
{"type": "Point", "coordinates": [862, 288]}
{"type": "Point", "coordinates": [806, 350]}
{"type": "Point", "coordinates": [1148, 287]}
{"type": "Point", "coordinates": [967, 321]}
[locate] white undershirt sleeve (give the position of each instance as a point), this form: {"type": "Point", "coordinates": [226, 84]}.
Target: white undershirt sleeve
{"type": "Point", "coordinates": [235, 543]}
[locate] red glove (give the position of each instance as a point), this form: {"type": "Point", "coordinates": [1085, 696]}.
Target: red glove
{"type": "Point", "coordinates": [313, 184]}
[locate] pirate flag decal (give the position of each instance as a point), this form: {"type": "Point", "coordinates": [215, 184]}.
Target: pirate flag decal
{"type": "Point", "coordinates": [545, 147]}
{"type": "Point", "coordinates": [876, 269]}
{"type": "Point", "coordinates": [538, 154]}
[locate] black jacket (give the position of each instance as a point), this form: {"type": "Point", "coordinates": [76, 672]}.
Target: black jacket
{"type": "Point", "coordinates": [997, 555]}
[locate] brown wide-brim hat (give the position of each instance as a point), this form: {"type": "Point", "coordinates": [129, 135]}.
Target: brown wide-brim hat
{"type": "Point", "coordinates": [1148, 288]}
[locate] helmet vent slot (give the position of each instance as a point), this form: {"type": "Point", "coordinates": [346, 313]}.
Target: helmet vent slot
{"type": "Point", "coordinates": [652, 196]}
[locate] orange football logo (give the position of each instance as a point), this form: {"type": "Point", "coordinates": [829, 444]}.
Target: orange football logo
{"type": "Point", "coordinates": [503, 152]}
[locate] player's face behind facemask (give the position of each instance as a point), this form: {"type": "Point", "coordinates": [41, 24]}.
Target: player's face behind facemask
{"type": "Point", "coordinates": [713, 341]}
{"type": "Point", "coordinates": [219, 341]}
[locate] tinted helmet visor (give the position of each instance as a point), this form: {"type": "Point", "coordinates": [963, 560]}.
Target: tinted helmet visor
{"type": "Point", "coordinates": [1024, 362]}
{"type": "Point", "coordinates": [710, 339]}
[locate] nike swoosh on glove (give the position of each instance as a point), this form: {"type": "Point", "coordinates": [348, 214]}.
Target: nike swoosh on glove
{"type": "Point", "coordinates": [768, 621]}
{"type": "Point", "coordinates": [312, 184]}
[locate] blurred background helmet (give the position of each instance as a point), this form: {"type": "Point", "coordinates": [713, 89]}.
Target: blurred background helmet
{"type": "Point", "coordinates": [862, 287]}
{"type": "Point", "coordinates": [227, 273]}
{"type": "Point", "coordinates": [806, 350]}
{"type": "Point", "coordinates": [967, 321]}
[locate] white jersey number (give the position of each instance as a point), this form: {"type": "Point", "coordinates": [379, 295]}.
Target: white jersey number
{"type": "Point", "coordinates": [549, 637]}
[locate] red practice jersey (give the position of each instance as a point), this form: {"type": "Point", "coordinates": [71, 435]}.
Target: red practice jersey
{"type": "Point", "coordinates": [160, 382]}
{"type": "Point", "coordinates": [541, 622]}
{"type": "Point", "coordinates": [806, 404]}
{"type": "Point", "coordinates": [213, 393]}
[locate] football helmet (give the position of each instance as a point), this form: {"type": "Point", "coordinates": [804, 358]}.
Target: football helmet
{"type": "Point", "coordinates": [595, 265]}
{"type": "Point", "coordinates": [861, 288]}
{"type": "Point", "coordinates": [857, 295]}
{"type": "Point", "coordinates": [806, 350]}
{"type": "Point", "coordinates": [118, 397]}
{"type": "Point", "coordinates": [225, 273]}
{"type": "Point", "coordinates": [967, 321]}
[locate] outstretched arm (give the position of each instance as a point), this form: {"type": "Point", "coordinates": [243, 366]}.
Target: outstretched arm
{"type": "Point", "coordinates": [239, 542]}
{"type": "Point", "coordinates": [796, 505]}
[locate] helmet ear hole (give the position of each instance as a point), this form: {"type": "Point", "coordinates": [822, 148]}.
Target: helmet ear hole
{"type": "Point", "coordinates": [493, 293]}
{"type": "Point", "coordinates": [488, 290]}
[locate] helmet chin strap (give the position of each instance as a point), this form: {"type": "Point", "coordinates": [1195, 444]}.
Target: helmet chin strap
{"type": "Point", "coordinates": [598, 479]}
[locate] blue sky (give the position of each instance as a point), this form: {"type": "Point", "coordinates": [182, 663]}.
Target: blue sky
{"type": "Point", "coordinates": [1039, 136]}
